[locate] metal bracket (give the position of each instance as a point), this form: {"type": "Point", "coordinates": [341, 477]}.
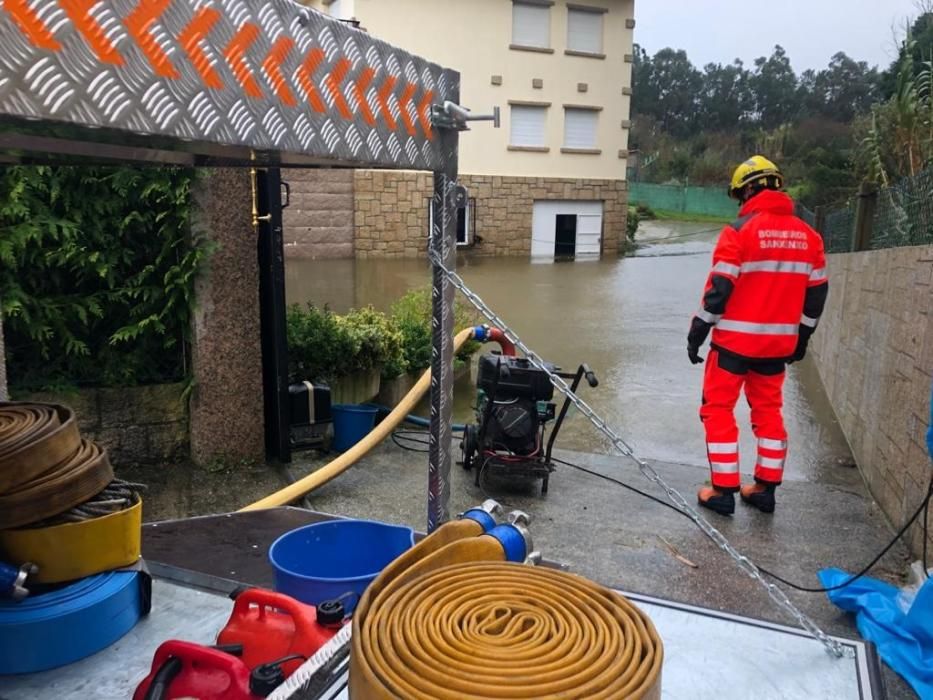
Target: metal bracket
{"type": "Point", "coordinates": [452, 116]}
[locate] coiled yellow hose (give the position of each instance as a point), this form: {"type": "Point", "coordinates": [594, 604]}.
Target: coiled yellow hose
{"type": "Point", "coordinates": [500, 630]}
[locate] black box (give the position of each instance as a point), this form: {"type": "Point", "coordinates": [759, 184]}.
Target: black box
{"type": "Point", "coordinates": [309, 403]}
{"type": "Point", "coordinates": [517, 378]}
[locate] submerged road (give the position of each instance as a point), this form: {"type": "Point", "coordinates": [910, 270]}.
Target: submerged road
{"type": "Point", "coordinates": [626, 317]}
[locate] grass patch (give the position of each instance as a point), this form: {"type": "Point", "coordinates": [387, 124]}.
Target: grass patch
{"type": "Point", "coordinates": [665, 215]}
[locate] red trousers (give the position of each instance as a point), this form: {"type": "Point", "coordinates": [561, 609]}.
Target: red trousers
{"type": "Point", "coordinates": [764, 392]}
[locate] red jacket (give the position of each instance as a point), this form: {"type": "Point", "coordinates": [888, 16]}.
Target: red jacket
{"type": "Point", "coordinates": [768, 283]}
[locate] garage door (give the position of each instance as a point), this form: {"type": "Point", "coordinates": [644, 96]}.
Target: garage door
{"type": "Point", "coordinates": [568, 227]}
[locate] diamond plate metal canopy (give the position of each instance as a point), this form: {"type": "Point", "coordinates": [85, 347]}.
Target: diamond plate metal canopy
{"type": "Point", "coordinates": [204, 80]}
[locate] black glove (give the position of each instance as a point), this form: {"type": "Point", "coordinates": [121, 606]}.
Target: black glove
{"type": "Point", "coordinates": [693, 352]}
{"type": "Point", "coordinates": [803, 340]}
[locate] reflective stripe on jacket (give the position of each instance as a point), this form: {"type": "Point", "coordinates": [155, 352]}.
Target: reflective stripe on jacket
{"type": "Point", "coordinates": [766, 262]}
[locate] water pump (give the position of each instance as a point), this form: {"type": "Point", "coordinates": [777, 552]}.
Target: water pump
{"type": "Point", "coordinates": [513, 408]}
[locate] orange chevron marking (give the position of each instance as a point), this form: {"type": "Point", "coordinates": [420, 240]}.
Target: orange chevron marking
{"type": "Point", "coordinates": [190, 37]}
{"type": "Point", "coordinates": [403, 103]}
{"type": "Point", "coordinates": [332, 82]}
{"type": "Point", "coordinates": [360, 86]}
{"type": "Point", "coordinates": [30, 25]}
{"type": "Point", "coordinates": [138, 23]}
{"type": "Point", "coordinates": [235, 53]}
{"type": "Point", "coordinates": [273, 67]}
{"type": "Point", "coordinates": [382, 96]}
{"type": "Point", "coordinates": [80, 13]}
{"type": "Point", "coordinates": [424, 114]}
{"type": "Point", "coordinates": [305, 79]}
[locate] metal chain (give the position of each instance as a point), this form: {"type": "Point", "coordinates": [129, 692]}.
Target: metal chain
{"type": "Point", "coordinates": [833, 646]}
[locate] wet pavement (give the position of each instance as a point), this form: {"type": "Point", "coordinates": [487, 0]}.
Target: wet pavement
{"type": "Point", "coordinates": [623, 540]}
{"type": "Point", "coordinates": [627, 318]}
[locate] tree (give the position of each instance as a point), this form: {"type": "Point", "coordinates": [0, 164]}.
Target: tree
{"type": "Point", "coordinates": [667, 87]}
{"type": "Point", "coordinates": [846, 88]}
{"type": "Point", "coordinates": [917, 45]}
{"type": "Point", "coordinates": [726, 96]}
{"type": "Point", "coordinates": [897, 139]}
{"type": "Point", "coordinates": [775, 86]}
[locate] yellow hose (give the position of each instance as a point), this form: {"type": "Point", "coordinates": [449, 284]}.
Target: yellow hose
{"type": "Point", "coordinates": [333, 469]}
{"type": "Point", "coordinates": [491, 629]}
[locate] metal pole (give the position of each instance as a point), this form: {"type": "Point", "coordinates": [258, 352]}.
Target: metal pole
{"type": "Point", "coordinates": [864, 217]}
{"type": "Point", "coordinates": [444, 245]}
{"type": "Point", "coordinates": [271, 251]}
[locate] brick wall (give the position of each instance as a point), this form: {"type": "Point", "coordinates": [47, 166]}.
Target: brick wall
{"type": "Point", "coordinates": [874, 351]}
{"type": "Point", "coordinates": [318, 223]}
{"type": "Point", "coordinates": [3, 387]}
{"type": "Point", "coordinates": [391, 217]}
{"type": "Point", "coordinates": [137, 425]}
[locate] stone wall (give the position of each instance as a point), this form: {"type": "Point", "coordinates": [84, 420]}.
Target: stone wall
{"type": "Point", "coordinates": [226, 404]}
{"type": "Point", "coordinates": [874, 351]}
{"type": "Point", "coordinates": [137, 425]}
{"type": "Point", "coordinates": [391, 217]}
{"type": "Point", "coordinates": [318, 222]}
{"type": "Point", "coordinates": [4, 392]}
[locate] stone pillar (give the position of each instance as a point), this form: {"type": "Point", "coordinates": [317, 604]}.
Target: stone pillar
{"type": "Point", "coordinates": [4, 393]}
{"type": "Point", "coordinates": [226, 405]}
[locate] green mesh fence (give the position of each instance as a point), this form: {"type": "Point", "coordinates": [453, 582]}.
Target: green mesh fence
{"type": "Point", "coordinates": [904, 213]}
{"type": "Point", "coordinates": [903, 216]}
{"type": "Point", "coordinates": [838, 227]}
{"type": "Point", "coordinates": [708, 201]}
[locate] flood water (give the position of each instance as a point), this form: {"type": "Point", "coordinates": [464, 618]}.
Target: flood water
{"type": "Point", "coordinates": [625, 317]}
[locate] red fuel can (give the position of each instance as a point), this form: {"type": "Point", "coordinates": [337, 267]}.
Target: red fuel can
{"type": "Point", "coordinates": [273, 626]}
{"type": "Point", "coordinates": [187, 670]}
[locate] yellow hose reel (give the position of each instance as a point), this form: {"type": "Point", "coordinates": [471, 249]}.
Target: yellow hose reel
{"type": "Point", "coordinates": [451, 619]}
{"type": "Point", "coordinates": [74, 550]}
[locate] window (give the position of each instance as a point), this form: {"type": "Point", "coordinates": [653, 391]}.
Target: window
{"type": "Point", "coordinates": [580, 128]}
{"type": "Point", "coordinates": [585, 31]}
{"type": "Point", "coordinates": [527, 126]}
{"type": "Point", "coordinates": [531, 25]}
{"type": "Point", "coordinates": [339, 9]}
{"type": "Point", "coordinates": [466, 222]}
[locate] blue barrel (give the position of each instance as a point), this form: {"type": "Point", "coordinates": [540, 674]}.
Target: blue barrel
{"type": "Point", "coordinates": [325, 560]}
{"type": "Point", "coordinates": [351, 424]}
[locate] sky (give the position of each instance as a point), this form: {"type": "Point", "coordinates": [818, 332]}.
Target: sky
{"type": "Point", "coordinates": [810, 30]}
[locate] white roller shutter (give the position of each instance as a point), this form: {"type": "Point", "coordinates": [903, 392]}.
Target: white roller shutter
{"type": "Point", "coordinates": [589, 228]}
{"type": "Point", "coordinates": [580, 128]}
{"type": "Point", "coordinates": [531, 25]}
{"type": "Point", "coordinates": [526, 126]}
{"type": "Point", "coordinates": [585, 31]}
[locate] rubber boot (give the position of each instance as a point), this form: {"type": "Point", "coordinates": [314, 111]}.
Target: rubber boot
{"type": "Point", "coordinates": [717, 501]}
{"type": "Point", "coordinates": [760, 496]}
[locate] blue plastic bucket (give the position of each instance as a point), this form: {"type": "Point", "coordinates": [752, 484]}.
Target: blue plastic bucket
{"type": "Point", "coordinates": [351, 424]}
{"type": "Point", "coordinates": [325, 560]}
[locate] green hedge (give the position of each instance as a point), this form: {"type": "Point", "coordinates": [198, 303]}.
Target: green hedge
{"type": "Point", "coordinates": [97, 272]}
{"type": "Point", "coordinates": [325, 346]}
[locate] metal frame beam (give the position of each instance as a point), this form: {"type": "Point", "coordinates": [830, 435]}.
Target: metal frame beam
{"type": "Point", "coordinates": [241, 83]}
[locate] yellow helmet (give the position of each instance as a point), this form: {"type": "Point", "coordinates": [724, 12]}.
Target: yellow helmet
{"type": "Point", "coordinates": [755, 169]}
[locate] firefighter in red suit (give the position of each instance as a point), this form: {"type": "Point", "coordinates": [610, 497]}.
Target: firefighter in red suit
{"type": "Point", "coordinates": [762, 302]}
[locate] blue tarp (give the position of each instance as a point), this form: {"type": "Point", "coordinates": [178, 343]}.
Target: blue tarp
{"type": "Point", "coordinates": [905, 642]}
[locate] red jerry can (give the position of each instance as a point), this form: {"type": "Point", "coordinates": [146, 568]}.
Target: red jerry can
{"type": "Point", "coordinates": [272, 626]}
{"type": "Point", "coordinates": [187, 670]}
